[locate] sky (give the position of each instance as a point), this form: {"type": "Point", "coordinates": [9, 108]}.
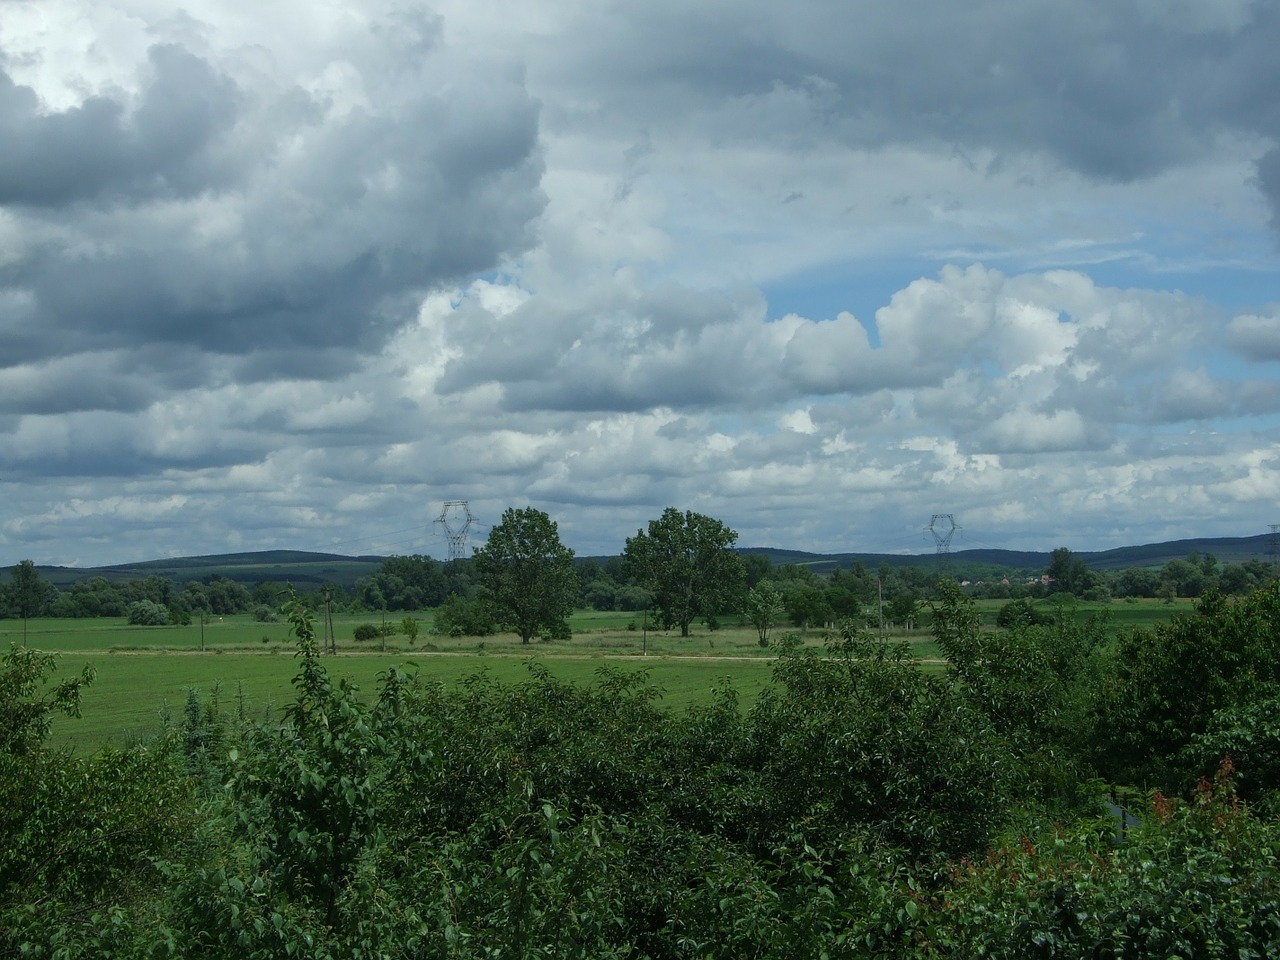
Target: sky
{"type": "Point", "coordinates": [292, 275]}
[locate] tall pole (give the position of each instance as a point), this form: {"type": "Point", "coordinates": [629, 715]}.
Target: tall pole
{"type": "Point", "coordinates": [330, 639]}
{"type": "Point", "coordinates": [880, 604]}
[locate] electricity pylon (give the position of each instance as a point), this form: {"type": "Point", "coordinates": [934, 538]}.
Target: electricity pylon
{"type": "Point", "coordinates": [456, 519]}
{"type": "Point", "coordinates": [943, 527]}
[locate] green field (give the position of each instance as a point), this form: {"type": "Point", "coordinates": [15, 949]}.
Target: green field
{"type": "Point", "coordinates": [144, 673]}
{"type": "Point", "coordinates": [133, 692]}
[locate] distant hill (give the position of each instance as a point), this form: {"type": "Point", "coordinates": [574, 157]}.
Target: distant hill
{"type": "Point", "coordinates": [304, 567]}
{"type": "Point", "coordinates": [975, 564]}
{"type": "Point", "coordinates": [276, 566]}
{"type": "Point", "coordinates": [1226, 549]}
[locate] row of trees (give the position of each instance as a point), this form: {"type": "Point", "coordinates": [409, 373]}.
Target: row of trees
{"type": "Point", "coordinates": [683, 567]}
{"type": "Point", "coordinates": [30, 595]}
{"type": "Point", "coordinates": [861, 807]}
{"type": "Point", "coordinates": [684, 563]}
{"type": "Point", "coordinates": [1189, 577]}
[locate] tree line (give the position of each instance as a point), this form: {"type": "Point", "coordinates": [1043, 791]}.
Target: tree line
{"type": "Point", "coordinates": [684, 567]}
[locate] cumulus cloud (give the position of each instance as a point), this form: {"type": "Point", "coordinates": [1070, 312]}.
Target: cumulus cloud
{"type": "Point", "coordinates": [276, 220]}
{"type": "Point", "coordinates": [1255, 336]}
{"type": "Point", "coordinates": [279, 280]}
{"type": "Point", "coordinates": [971, 340]}
{"type": "Point", "coordinates": [103, 149]}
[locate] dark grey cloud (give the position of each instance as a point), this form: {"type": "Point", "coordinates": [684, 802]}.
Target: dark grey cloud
{"type": "Point", "coordinates": [1269, 183]}
{"type": "Point", "coordinates": [101, 444]}
{"type": "Point", "coordinates": [103, 149]}
{"type": "Point", "coordinates": [75, 382]}
{"type": "Point", "coordinates": [1259, 398]}
{"type": "Point", "coordinates": [1115, 91]}
{"type": "Point", "coordinates": [267, 224]}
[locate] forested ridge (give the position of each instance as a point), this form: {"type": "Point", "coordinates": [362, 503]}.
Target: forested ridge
{"type": "Point", "coordinates": [862, 807]}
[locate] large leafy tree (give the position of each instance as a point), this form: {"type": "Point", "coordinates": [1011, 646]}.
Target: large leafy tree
{"type": "Point", "coordinates": [1067, 572]}
{"type": "Point", "coordinates": [29, 593]}
{"type": "Point", "coordinates": [686, 560]}
{"type": "Point", "coordinates": [528, 573]}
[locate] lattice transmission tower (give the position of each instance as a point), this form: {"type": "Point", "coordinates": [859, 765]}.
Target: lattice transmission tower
{"type": "Point", "coordinates": [943, 527]}
{"type": "Point", "coordinates": [456, 519]}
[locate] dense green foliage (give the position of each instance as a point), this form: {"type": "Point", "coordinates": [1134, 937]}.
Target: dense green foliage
{"type": "Point", "coordinates": [686, 562]}
{"type": "Point", "coordinates": [527, 574]}
{"type": "Point", "coordinates": [1169, 692]}
{"type": "Point", "coordinates": [861, 808]}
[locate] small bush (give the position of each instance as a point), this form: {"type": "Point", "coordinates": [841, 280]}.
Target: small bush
{"type": "Point", "coordinates": [1020, 613]}
{"type": "Point", "coordinates": [556, 631]}
{"type": "Point", "coordinates": [367, 631]}
{"type": "Point", "coordinates": [459, 617]}
{"type": "Point", "coordinates": [264, 614]}
{"type": "Point", "coordinates": [148, 613]}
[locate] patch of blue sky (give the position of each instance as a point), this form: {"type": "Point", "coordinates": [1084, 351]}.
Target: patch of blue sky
{"type": "Point", "coordinates": [860, 288]}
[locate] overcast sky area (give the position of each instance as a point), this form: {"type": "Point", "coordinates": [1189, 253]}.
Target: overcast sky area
{"type": "Point", "coordinates": [291, 275]}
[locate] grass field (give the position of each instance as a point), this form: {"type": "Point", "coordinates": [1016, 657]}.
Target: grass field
{"type": "Point", "coordinates": [133, 691]}
{"type": "Point", "coordinates": [144, 673]}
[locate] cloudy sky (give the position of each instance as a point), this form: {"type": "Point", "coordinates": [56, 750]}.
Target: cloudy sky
{"type": "Point", "coordinates": [291, 275]}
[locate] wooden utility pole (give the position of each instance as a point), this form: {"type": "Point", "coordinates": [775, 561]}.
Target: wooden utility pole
{"type": "Point", "coordinates": [880, 605]}
{"type": "Point", "coordinates": [330, 639]}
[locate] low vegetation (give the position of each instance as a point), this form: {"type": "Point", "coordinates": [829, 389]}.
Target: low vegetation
{"type": "Point", "coordinates": [875, 764]}
{"type": "Point", "coordinates": [860, 806]}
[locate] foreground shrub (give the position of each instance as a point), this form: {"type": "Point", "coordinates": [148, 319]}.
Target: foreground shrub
{"type": "Point", "coordinates": [1199, 879]}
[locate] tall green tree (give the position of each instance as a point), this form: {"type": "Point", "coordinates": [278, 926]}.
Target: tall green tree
{"type": "Point", "coordinates": [528, 573]}
{"type": "Point", "coordinates": [1067, 572]}
{"type": "Point", "coordinates": [29, 593]}
{"type": "Point", "coordinates": [764, 607]}
{"type": "Point", "coordinates": [687, 561]}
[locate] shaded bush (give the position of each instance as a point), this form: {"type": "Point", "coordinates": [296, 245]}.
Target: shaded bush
{"type": "Point", "coordinates": [148, 613]}
{"type": "Point", "coordinates": [1021, 613]}
{"type": "Point", "coordinates": [463, 617]}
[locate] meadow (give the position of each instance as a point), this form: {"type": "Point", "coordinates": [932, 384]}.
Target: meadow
{"type": "Point", "coordinates": [144, 673]}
